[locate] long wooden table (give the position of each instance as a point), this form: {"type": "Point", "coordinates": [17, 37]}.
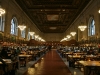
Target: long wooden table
{"type": "Point", "coordinates": [87, 65]}
{"type": "Point", "coordinates": [23, 59]}
{"type": "Point", "coordinates": [9, 66]}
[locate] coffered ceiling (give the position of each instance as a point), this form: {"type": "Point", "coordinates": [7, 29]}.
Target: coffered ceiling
{"type": "Point", "coordinates": [52, 16]}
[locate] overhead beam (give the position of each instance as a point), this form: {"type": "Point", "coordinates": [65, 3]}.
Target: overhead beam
{"type": "Point", "coordinates": [51, 7]}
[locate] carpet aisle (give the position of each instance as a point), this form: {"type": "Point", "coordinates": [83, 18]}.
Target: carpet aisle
{"type": "Point", "coordinates": [50, 64]}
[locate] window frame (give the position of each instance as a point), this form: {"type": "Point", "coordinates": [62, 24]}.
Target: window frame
{"type": "Point", "coordinates": [91, 27]}
{"type": "Point", "coordinates": [2, 23]}
{"type": "Point", "coordinates": [14, 24]}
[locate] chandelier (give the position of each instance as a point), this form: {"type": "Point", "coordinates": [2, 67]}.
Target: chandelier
{"type": "Point", "coordinates": [68, 36]}
{"type": "Point", "coordinates": [2, 11]}
{"type": "Point", "coordinates": [99, 11]}
{"type": "Point", "coordinates": [39, 38]}
{"type": "Point", "coordinates": [73, 33]}
{"type": "Point", "coordinates": [36, 36]}
{"type": "Point", "coordinates": [31, 33]}
{"type": "Point", "coordinates": [21, 27]}
{"type": "Point", "coordinates": [82, 28]}
{"type": "Point", "coordinates": [64, 39]}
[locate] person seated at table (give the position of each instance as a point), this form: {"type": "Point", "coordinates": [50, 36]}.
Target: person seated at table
{"type": "Point", "coordinates": [13, 55]}
{"type": "Point", "coordinates": [14, 59]}
{"type": "Point", "coordinates": [18, 50]}
{"type": "Point", "coordinates": [96, 52]}
{"type": "Point", "coordinates": [90, 52]}
{"type": "Point", "coordinates": [4, 65]}
{"type": "Point", "coordinates": [4, 53]}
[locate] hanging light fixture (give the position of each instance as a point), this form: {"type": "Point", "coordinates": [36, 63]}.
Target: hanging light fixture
{"type": "Point", "coordinates": [2, 11]}
{"type": "Point", "coordinates": [36, 36]}
{"type": "Point", "coordinates": [21, 27]}
{"type": "Point", "coordinates": [82, 28]}
{"type": "Point", "coordinates": [73, 33]}
{"type": "Point", "coordinates": [68, 36]}
{"type": "Point", "coordinates": [65, 38]}
{"type": "Point", "coordinates": [39, 38]}
{"type": "Point", "coordinates": [43, 40]}
{"type": "Point", "coordinates": [98, 5]}
{"type": "Point", "coordinates": [31, 33]}
{"type": "Point", "coordinates": [99, 11]}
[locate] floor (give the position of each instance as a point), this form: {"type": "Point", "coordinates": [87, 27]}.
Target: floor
{"type": "Point", "coordinates": [50, 64]}
{"type": "Point", "coordinates": [74, 71]}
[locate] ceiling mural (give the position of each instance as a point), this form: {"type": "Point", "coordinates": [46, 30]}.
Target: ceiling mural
{"type": "Point", "coordinates": [52, 16]}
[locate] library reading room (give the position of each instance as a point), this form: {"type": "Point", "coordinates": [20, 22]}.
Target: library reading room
{"type": "Point", "coordinates": [49, 37]}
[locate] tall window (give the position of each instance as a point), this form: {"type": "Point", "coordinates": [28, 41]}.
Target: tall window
{"type": "Point", "coordinates": [14, 25]}
{"type": "Point", "coordinates": [23, 33]}
{"type": "Point", "coordinates": [2, 22]}
{"type": "Point", "coordinates": [33, 37]}
{"type": "Point", "coordinates": [91, 30]}
{"type": "Point", "coordinates": [28, 36]}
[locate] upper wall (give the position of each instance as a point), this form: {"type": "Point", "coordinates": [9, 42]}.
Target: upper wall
{"type": "Point", "coordinates": [53, 36]}
{"type": "Point", "coordinates": [13, 10]}
{"type": "Point", "coordinates": [91, 10]}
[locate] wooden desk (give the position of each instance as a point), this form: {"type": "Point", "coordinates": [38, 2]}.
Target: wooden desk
{"type": "Point", "coordinates": [23, 59]}
{"type": "Point", "coordinates": [79, 53]}
{"type": "Point", "coordinates": [73, 60]}
{"type": "Point", "coordinates": [75, 57]}
{"type": "Point", "coordinates": [7, 61]}
{"type": "Point", "coordinates": [89, 64]}
{"type": "Point", "coordinates": [8, 68]}
{"type": "Point", "coordinates": [68, 53]}
{"type": "Point", "coordinates": [24, 55]}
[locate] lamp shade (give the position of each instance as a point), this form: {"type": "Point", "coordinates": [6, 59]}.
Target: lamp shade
{"type": "Point", "coordinates": [82, 28]}
{"type": "Point", "coordinates": [73, 33]}
{"type": "Point", "coordinates": [2, 11]}
{"type": "Point", "coordinates": [68, 36]}
{"type": "Point", "coordinates": [99, 11]}
{"type": "Point", "coordinates": [36, 36]}
{"type": "Point", "coordinates": [21, 27]}
{"type": "Point", "coordinates": [31, 33]}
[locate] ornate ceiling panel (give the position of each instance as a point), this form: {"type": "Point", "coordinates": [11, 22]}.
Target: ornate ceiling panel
{"type": "Point", "coordinates": [52, 16]}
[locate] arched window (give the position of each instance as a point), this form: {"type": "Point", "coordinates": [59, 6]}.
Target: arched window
{"type": "Point", "coordinates": [23, 33]}
{"type": "Point", "coordinates": [2, 23]}
{"type": "Point", "coordinates": [33, 37]}
{"type": "Point", "coordinates": [91, 30]}
{"type": "Point", "coordinates": [28, 36]}
{"type": "Point", "coordinates": [14, 25]}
